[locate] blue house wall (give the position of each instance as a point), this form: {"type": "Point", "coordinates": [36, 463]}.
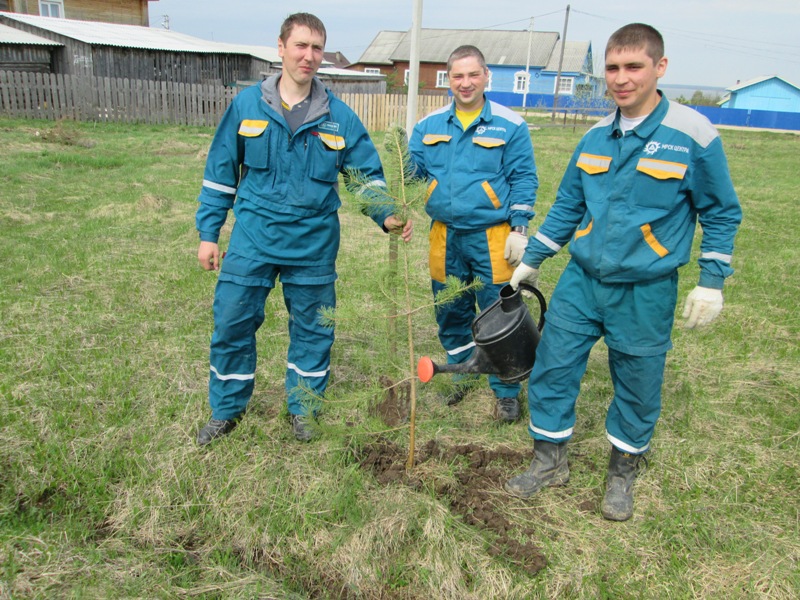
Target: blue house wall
{"type": "Point", "coordinates": [773, 94]}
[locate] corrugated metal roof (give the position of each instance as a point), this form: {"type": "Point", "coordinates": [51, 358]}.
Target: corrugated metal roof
{"type": "Point", "coordinates": [498, 47]}
{"type": "Point", "coordinates": [757, 80]}
{"type": "Point", "coordinates": [380, 50]}
{"type": "Point", "coordinates": [124, 36]}
{"type": "Point", "coordinates": [337, 73]}
{"type": "Point", "coordinates": [267, 53]}
{"type": "Point", "coordinates": [9, 35]}
{"type": "Point", "coordinates": [574, 57]}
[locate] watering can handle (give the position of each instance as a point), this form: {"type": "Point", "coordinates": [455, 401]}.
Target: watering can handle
{"type": "Point", "coordinates": [542, 303]}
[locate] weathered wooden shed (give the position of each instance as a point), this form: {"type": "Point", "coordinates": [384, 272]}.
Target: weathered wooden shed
{"type": "Point", "coordinates": [90, 48]}
{"type": "Point", "coordinates": [23, 51]}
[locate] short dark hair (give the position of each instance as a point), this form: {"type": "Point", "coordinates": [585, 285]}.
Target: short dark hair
{"type": "Point", "coordinates": [635, 36]}
{"type": "Point", "coordinates": [302, 20]}
{"type": "Point", "coordinates": [464, 52]}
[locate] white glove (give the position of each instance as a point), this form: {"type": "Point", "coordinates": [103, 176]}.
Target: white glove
{"type": "Point", "coordinates": [703, 305]}
{"type": "Point", "coordinates": [524, 274]}
{"type": "Point", "coordinates": [515, 247]}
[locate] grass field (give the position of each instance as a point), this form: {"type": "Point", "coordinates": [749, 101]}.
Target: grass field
{"type": "Point", "coordinates": [106, 319]}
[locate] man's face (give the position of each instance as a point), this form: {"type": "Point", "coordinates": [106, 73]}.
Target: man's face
{"type": "Point", "coordinates": [468, 79]}
{"type": "Point", "coordinates": [301, 54]}
{"type": "Point", "coordinates": [632, 80]}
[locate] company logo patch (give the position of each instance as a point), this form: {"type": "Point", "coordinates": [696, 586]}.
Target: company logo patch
{"type": "Point", "coordinates": [652, 147]}
{"type": "Point", "coordinates": [329, 126]}
{"type": "Point", "coordinates": [480, 130]}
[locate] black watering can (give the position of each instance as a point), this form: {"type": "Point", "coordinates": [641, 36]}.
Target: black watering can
{"type": "Point", "coordinates": [505, 339]}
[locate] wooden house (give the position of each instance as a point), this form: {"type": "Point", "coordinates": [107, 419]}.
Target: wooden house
{"type": "Point", "coordinates": [521, 63]}
{"type": "Point", "coordinates": [764, 93]}
{"type": "Point", "coordinates": [124, 12]}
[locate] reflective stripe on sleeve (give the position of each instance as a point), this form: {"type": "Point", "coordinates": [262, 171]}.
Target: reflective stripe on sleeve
{"type": "Point", "coordinates": [219, 187]}
{"type": "Point", "coordinates": [547, 242]}
{"type": "Point", "coordinates": [716, 256]}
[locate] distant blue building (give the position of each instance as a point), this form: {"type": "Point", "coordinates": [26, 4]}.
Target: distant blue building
{"type": "Point", "coordinates": [771, 93]}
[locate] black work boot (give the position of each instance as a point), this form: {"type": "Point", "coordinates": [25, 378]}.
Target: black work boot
{"type": "Point", "coordinates": [302, 428]}
{"type": "Point", "coordinates": [549, 467]}
{"type": "Point", "coordinates": [623, 468]}
{"type": "Point", "coordinates": [216, 428]}
{"type": "Point", "coordinates": [507, 409]}
{"type": "Point", "coordinates": [459, 391]}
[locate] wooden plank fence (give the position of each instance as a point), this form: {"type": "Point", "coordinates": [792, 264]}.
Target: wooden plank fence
{"type": "Point", "coordinates": [53, 97]}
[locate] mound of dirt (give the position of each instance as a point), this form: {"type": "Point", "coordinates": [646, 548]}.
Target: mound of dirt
{"type": "Point", "coordinates": [476, 495]}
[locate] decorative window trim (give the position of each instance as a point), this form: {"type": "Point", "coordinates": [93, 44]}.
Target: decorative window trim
{"type": "Point", "coordinates": [522, 83]}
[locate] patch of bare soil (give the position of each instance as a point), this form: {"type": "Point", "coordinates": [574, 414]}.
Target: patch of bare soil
{"type": "Point", "coordinates": [476, 494]}
{"type": "Point", "coordinates": [395, 408]}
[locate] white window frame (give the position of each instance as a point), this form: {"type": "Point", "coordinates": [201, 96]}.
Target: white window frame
{"type": "Point", "coordinates": [372, 70]}
{"type": "Point", "coordinates": [522, 83]}
{"type": "Point", "coordinates": [566, 85]}
{"type": "Point", "coordinates": [489, 82]}
{"type": "Point", "coordinates": [405, 76]}
{"type": "Point", "coordinates": [46, 8]}
{"type": "Point", "coordinates": [442, 80]}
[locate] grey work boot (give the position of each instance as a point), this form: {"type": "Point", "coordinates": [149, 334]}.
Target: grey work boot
{"type": "Point", "coordinates": [216, 428]}
{"type": "Point", "coordinates": [549, 467]}
{"type": "Point", "coordinates": [506, 410]}
{"type": "Point", "coordinates": [623, 468]}
{"type": "Point", "coordinates": [302, 428]}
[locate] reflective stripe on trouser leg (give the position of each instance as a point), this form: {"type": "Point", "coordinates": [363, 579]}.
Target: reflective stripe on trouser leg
{"type": "Point", "coordinates": [632, 416]}
{"type": "Point", "coordinates": [555, 382]}
{"type": "Point", "coordinates": [310, 342]}
{"type": "Point", "coordinates": [238, 313]}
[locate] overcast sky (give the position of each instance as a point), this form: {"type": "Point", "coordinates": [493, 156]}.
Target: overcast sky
{"type": "Point", "coordinates": [708, 42]}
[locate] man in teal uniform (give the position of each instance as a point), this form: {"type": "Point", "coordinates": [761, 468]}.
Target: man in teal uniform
{"type": "Point", "coordinates": [478, 160]}
{"type": "Point", "coordinates": [628, 203]}
{"type": "Point", "coordinates": [275, 160]}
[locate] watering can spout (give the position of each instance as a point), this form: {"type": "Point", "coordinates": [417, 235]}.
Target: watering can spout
{"type": "Point", "coordinates": [478, 363]}
{"type": "Point", "coordinates": [505, 338]}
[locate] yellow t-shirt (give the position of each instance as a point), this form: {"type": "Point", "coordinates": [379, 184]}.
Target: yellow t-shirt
{"type": "Point", "coordinates": [467, 118]}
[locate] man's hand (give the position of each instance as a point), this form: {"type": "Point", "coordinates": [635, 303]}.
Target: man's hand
{"type": "Point", "coordinates": [208, 255]}
{"type": "Point", "coordinates": [402, 228]}
{"type": "Point", "coordinates": [525, 274]}
{"type": "Point", "coordinates": [515, 248]}
{"type": "Point", "coordinates": [703, 305]}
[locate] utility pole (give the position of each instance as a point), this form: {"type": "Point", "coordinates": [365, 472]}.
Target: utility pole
{"type": "Point", "coordinates": [527, 68]}
{"type": "Point", "coordinates": [560, 65]}
{"type": "Point", "coordinates": [413, 66]}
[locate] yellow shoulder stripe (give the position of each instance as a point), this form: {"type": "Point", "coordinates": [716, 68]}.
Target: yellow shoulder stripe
{"type": "Point", "coordinates": [433, 138]}
{"type": "Point", "coordinates": [334, 142]}
{"type": "Point", "coordinates": [661, 169]}
{"type": "Point", "coordinates": [252, 127]}
{"type": "Point", "coordinates": [593, 164]}
{"type": "Point", "coordinates": [488, 142]}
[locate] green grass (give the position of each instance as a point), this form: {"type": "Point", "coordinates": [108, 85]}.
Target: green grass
{"type": "Point", "coordinates": [106, 319]}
